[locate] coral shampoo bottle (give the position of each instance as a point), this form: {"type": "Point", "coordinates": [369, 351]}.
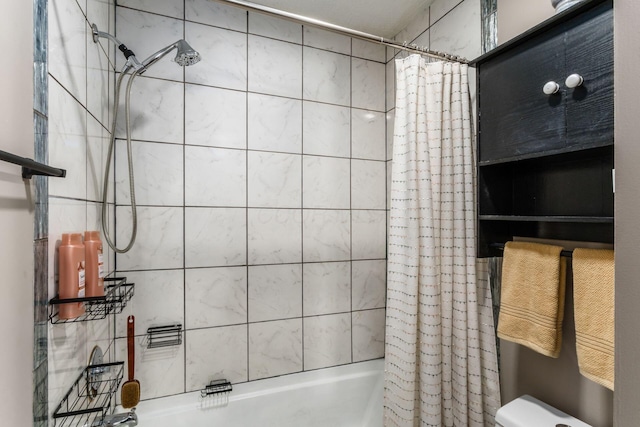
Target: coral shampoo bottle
{"type": "Point", "coordinates": [95, 264]}
{"type": "Point", "coordinates": [71, 280]}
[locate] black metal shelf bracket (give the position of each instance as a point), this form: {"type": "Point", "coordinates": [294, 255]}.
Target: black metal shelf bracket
{"type": "Point", "coordinates": [164, 336]}
{"type": "Point", "coordinates": [216, 387]}
{"type": "Point", "coordinates": [117, 292]}
{"type": "Point", "coordinates": [87, 405]}
{"type": "Point", "coordinates": [31, 167]}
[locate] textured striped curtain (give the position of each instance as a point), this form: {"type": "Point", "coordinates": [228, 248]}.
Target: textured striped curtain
{"type": "Point", "coordinates": [441, 365]}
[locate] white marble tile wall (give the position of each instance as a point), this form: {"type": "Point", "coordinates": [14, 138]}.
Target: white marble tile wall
{"type": "Point", "coordinates": [274, 236]}
{"type": "Point", "coordinates": [327, 340]}
{"type": "Point", "coordinates": [275, 292]}
{"type": "Point", "coordinates": [261, 183]}
{"type": "Point", "coordinates": [147, 33]}
{"type": "Point", "coordinates": [215, 353]}
{"type": "Point", "coordinates": [216, 14]}
{"type": "Point", "coordinates": [368, 139]}
{"type": "Point", "coordinates": [158, 241]}
{"type": "Point", "coordinates": [160, 370]}
{"type": "Point", "coordinates": [275, 180]}
{"type": "Point", "coordinates": [158, 174]}
{"type": "Point", "coordinates": [268, 208]}
{"type": "Point", "coordinates": [326, 129]}
{"type": "Point", "coordinates": [224, 57]}
{"type": "Point", "coordinates": [327, 76]}
{"type": "Point", "coordinates": [214, 237]}
{"type": "Point", "coordinates": [172, 8]}
{"type": "Point", "coordinates": [269, 26]}
{"type": "Point", "coordinates": [275, 348]}
{"type": "Point", "coordinates": [326, 40]}
{"type": "Point", "coordinates": [215, 177]}
{"type": "Point", "coordinates": [81, 76]}
{"type": "Point", "coordinates": [215, 117]}
{"type": "Point", "coordinates": [215, 297]}
{"type": "Point", "coordinates": [166, 289]}
{"type": "Point", "coordinates": [367, 334]}
{"type": "Point", "coordinates": [275, 67]}
{"type": "Point", "coordinates": [267, 130]}
{"type": "Point", "coordinates": [327, 288]}
{"type": "Point", "coordinates": [326, 182]}
{"type": "Point", "coordinates": [160, 100]}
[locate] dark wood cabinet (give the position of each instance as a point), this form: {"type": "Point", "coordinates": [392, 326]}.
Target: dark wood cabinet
{"type": "Point", "coordinates": [545, 161]}
{"type": "Point", "coordinates": [589, 107]}
{"type": "Point", "coordinates": [516, 117]}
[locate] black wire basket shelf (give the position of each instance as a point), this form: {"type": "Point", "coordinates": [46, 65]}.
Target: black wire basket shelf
{"type": "Point", "coordinates": [117, 292]}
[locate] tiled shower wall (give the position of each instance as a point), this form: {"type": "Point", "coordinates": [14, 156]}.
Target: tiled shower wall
{"type": "Point", "coordinates": [80, 86]}
{"type": "Point", "coordinates": [261, 190]}
{"type": "Point", "coordinates": [260, 175]}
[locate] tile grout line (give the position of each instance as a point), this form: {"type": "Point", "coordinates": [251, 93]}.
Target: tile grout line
{"type": "Point", "coordinates": [185, 340]}
{"type": "Point", "coordinates": [302, 168]}
{"type": "Point", "coordinates": [351, 202]}
{"type": "Point", "coordinates": [246, 145]}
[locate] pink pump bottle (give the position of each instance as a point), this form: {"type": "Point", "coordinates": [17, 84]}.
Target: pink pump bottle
{"type": "Point", "coordinates": [94, 264]}
{"type": "Point", "coordinates": [71, 281]}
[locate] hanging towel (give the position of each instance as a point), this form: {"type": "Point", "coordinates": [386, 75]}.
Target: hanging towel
{"type": "Point", "coordinates": [593, 294]}
{"type": "Point", "coordinates": [533, 290]}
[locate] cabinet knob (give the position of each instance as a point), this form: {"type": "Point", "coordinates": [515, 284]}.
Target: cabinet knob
{"type": "Point", "coordinates": [574, 80]}
{"type": "Point", "coordinates": [550, 88]}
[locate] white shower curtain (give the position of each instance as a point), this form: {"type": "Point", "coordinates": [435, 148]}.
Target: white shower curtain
{"type": "Point", "coordinates": [441, 365]}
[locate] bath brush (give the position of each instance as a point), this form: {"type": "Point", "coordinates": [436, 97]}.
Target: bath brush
{"type": "Point", "coordinates": [130, 393]}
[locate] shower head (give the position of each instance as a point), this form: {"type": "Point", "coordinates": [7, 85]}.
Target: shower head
{"type": "Point", "coordinates": [186, 54]}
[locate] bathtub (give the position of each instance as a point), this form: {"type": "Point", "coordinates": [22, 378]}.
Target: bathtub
{"type": "Point", "coordinates": [343, 396]}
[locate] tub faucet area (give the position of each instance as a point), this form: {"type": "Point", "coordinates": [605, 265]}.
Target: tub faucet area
{"type": "Point", "coordinates": [123, 419]}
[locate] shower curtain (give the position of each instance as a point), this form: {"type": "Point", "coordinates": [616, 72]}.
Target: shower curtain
{"type": "Point", "coordinates": [441, 365]}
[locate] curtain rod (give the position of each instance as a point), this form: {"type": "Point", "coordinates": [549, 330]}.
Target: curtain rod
{"type": "Point", "coordinates": [343, 30]}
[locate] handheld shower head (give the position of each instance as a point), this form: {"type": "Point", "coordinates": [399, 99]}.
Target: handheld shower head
{"type": "Point", "coordinates": [186, 54]}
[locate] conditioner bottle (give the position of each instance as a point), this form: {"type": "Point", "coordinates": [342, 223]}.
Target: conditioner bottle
{"type": "Point", "coordinates": [94, 263]}
{"type": "Point", "coordinates": [71, 283]}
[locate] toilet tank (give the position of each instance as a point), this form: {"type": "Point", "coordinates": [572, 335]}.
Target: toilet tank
{"type": "Point", "coordinates": [527, 411]}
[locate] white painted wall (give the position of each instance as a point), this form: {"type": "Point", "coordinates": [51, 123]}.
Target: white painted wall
{"type": "Point", "coordinates": [16, 216]}
{"type": "Point", "coordinates": [517, 16]}
{"type": "Point", "coordinates": [627, 206]}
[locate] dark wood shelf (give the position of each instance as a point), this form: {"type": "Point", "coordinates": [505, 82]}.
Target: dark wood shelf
{"type": "Point", "coordinates": [555, 218]}
{"type": "Point", "coordinates": [575, 152]}
{"type": "Point", "coordinates": [545, 162]}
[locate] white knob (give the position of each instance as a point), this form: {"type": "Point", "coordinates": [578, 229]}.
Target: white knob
{"type": "Point", "coordinates": [550, 88]}
{"type": "Point", "coordinates": [574, 80]}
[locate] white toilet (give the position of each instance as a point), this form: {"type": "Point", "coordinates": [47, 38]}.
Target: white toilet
{"type": "Point", "coordinates": [527, 411]}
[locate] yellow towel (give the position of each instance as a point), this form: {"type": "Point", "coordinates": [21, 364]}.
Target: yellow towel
{"type": "Point", "coordinates": [532, 296]}
{"type": "Point", "coordinates": [593, 294]}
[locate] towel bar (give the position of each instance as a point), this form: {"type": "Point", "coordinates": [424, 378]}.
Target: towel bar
{"type": "Point", "coordinates": [500, 246]}
{"type": "Point", "coordinates": [31, 167]}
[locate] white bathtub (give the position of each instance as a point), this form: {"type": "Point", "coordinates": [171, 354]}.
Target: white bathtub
{"type": "Point", "coordinates": [344, 396]}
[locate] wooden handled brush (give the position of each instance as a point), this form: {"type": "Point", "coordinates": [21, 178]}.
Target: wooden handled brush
{"type": "Point", "coordinates": [130, 393]}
